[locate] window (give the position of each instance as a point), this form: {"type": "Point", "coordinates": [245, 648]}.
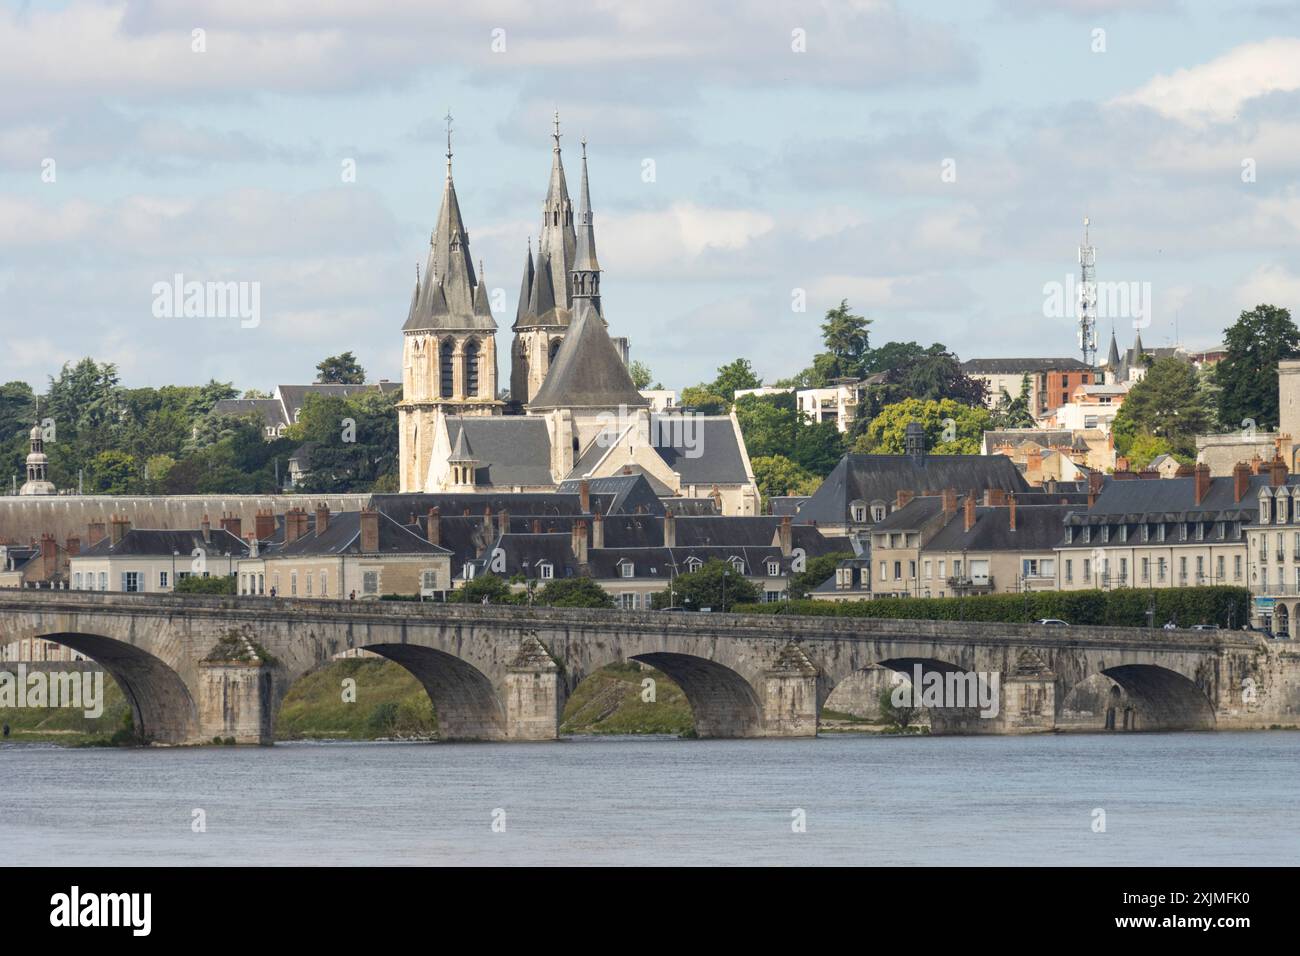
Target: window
{"type": "Point", "coordinates": [446, 366]}
{"type": "Point", "coordinates": [162, 579]}
{"type": "Point", "coordinates": [429, 579]}
{"type": "Point", "coordinates": [693, 564]}
{"type": "Point", "coordinates": [293, 582]}
{"type": "Point", "coordinates": [629, 601]}
{"type": "Point", "coordinates": [738, 565]}
{"type": "Point", "coordinates": [860, 514]}
{"type": "Point", "coordinates": [771, 597]}
{"type": "Point", "coordinates": [1160, 569]}
{"type": "Point", "coordinates": [1236, 567]}
{"type": "Point", "coordinates": [627, 569]}
{"type": "Point", "coordinates": [1069, 570]}
{"type": "Point", "coordinates": [261, 583]}
{"type": "Point", "coordinates": [1123, 569]}
{"type": "Point", "coordinates": [911, 569]}
{"type": "Point", "coordinates": [898, 570]}
{"type": "Point", "coordinates": [942, 565]}
{"type": "Point", "coordinates": [471, 368]}
{"type": "Point", "coordinates": [928, 567]}
{"type": "Point", "coordinates": [307, 581]}
{"type": "Point", "coordinates": [1146, 569]}
{"type": "Point", "coordinates": [1218, 568]}
{"type": "Point", "coordinates": [1182, 569]}
{"type": "Point", "coordinates": [1087, 569]}
{"type": "Point", "coordinates": [545, 570]}
{"type": "Point", "coordinates": [130, 580]}
{"type": "Point", "coordinates": [878, 511]}
{"type": "Point", "coordinates": [103, 580]}
{"type": "Point", "coordinates": [773, 569]}
{"type": "Point", "coordinates": [324, 584]}
{"type": "Point", "coordinates": [370, 582]}
{"type": "Point", "coordinates": [76, 581]}
{"type": "Point", "coordinates": [883, 571]}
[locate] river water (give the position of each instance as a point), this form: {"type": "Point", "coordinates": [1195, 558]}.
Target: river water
{"type": "Point", "coordinates": [1187, 798]}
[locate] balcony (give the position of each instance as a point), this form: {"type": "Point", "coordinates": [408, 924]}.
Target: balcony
{"type": "Point", "coordinates": [1275, 590]}
{"type": "Point", "coordinates": [971, 585]}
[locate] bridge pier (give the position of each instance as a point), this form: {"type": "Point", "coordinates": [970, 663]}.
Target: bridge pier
{"type": "Point", "coordinates": [235, 701]}
{"type": "Point", "coordinates": [533, 693]}
{"type": "Point", "coordinates": [789, 695]}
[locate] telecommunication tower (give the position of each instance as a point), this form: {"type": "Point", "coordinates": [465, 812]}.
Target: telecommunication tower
{"type": "Point", "coordinates": [1087, 299]}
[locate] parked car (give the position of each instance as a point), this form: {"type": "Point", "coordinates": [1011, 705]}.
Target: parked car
{"type": "Point", "coordinates": [1053, 621]}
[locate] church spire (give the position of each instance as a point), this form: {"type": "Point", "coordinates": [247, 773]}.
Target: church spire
{"type": "Point", "coordinates": [557, 241]}
{"type": "Point", "coordinates": [586, 268]}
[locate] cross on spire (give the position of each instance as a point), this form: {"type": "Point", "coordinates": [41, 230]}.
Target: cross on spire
{"type": "Point", "coordinates": [557, 134]}
{"type": "Point", "coordinates": [447, 120]}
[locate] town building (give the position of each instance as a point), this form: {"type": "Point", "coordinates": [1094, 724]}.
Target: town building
{"type": "Point", "coordinates": [1051, 380]}
{"type": "Point", "coordinates": [285, 405]}
{"type": "Point", "coordinates": [153, 560]}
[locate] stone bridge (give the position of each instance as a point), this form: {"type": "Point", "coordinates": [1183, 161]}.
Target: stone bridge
{"type": "Point", "coordinates": [198, 667]}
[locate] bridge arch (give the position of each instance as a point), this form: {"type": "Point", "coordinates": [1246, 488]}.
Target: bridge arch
{"type": "Point", "coordinates": [1159, 699]}
{"type": "Point", "coordinates": [723, 703]}
{"type": "Point", "coordinates": [162, 708]}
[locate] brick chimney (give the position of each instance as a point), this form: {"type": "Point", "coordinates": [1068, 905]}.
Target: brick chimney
{"type": "Point", "coordinates": [233, 524]}
{"type": "Point", "coordinates": [322, 517]}
{"type": "Point", "coordinates": [503, 521]}
{"type": "Point", "coordinates": [73, 547]}
{"type": "Point", "coordinates": [1034, 466]}
{"type": "Point", "coordinates": [785, 533]}
{"type": "Point", "coordinates": [537, 526]}
{"type": "Point", "coordinates": [489, 526]}
{"type": "Point", "coordinates": [292, 530]}
{"type": "Point", "coordinates": [433, 526]}
{"type": "Point", "coordinates": [903, 497]}
{"type": "Point", "coordinates": [118, 526]}
{"type": "Point", "coordinates": [1095, 481]}
{"type": "Point", "coordinates": [584, 496]}
{"type": "Point", "coordinates": [1240, 480]}
{"type": "Point", "coordinates": [1277, 472]}
{"type": "Point", "coordinates": [94, 533]}
{"type": "Point", "coordinates": [970, 511]}
{"type": "Point", "coordinates": [49, 557]}
{"type": "Point", "coordinates": [597, 530]}
{"type": "Point", "coordinates": [369, 531]}
{"type": "Point", "coordinates": [205, 527]}
{"type": "Point", "coordinates": [1011, 511]}
{"type": "Point", "coordinates": [1256, 463]}
{"type": "Point", "coordinates": [995, 497]}
{"type": "Point", "coordinates": [578, 540]}
{"type": "Point", "coordinates": [1201, 480]}
{"type": "Point", "coordinates": [264, 524]}
{"type": "Point", "coordinates": [670, 529]}
{"type": "Point", "coordinates": [949, 502]}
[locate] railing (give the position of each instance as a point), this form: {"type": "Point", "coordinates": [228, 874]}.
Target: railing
{"type": "Point", "coordinates": [1275, 590]}
{"type": "Point", "coordinates": [971, 584]}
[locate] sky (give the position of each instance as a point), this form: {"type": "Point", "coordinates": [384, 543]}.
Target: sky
{"type": "Point", "coordinates": [930, 162]}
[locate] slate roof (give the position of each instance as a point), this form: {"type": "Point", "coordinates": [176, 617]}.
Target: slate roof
{"type": "Point", "coordinates": [1170, 498]}
{"type": "Point", "coordinates": [625, 493]}
{"type": "Point", "coordinates": [270, 411]}
{"type": "Point", "coordinates": [401, 506]}
{"type": "Point", "coordinates": [145, 542]}
{"type": "Point", "coordinates": [880, 477]}
{"type": "Point", "coordinates": [662, 563]}
{"type": "Point", "coordinates": [511, 450]}
{"type": "Point", "coordinates": [343, 536]}
{"type": "Point", "coordinates": [588, 372]}
{"type": "Point", "coordinates": [717, 451]}
{"type": "Point", "coordinates": [1038, 528]}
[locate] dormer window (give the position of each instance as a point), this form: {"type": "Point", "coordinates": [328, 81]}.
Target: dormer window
{"type": "Point", "coordinates": [877, 511]}
{"type": "Point", "coordinates": [468, 571]}
{"type": "Point", "coordinates": [545, 570]}
{"type": "Point", "coordinates": [738, 564]}
{"type": "Point", "coordinates": [773, 569]}
{"type": "Point", "coordinates": [627, 569]}
{"type": "Point", "coordinates": [693, 564]}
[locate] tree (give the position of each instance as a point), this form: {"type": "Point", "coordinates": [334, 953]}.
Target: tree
{"type": "Point", "coordinates": [1165, 404]}
{"type": "Point", "coordinates": [341, 370]}
{"type": "Point", "coordinates": [818, 447]}
{"type": "Point", "coordinates": [488, 586]}
{"type": "Point", "coordinates": [704, 400]}
{"type": "Point", "coordinates": [113, 472]}
{"type": "Point", "coordinates": [196, 584]}
{"type": "Point", "coordinates": [574, 592]}
{"type": "Point", "coordinates": [1255, 343]}
{"type": "Point", "coordinates": [1013, 412]}
{"type": "Point", "coordinates": [735, 375]}
{"type": "Point", "coordinates": [715, 585]}
{"type": "Point", "coordinates": [353, 441]}
{"type": "Point", "coordinates": [768, 423]}
{"type": "Point", "coordinates": [641, 374]}
{"type": "Point", "coordinates": [950, 428]}
{"type": "Point", "coordinates": [847, 342]}
{"type": "Point", "coordinates": [817, 571]}
{"type": "Point", "coordinates": [778, 475]}
{"type": "Point", "coordinates": [906, 711]}
{"type": "Point", "coordinates": [1144, 449]}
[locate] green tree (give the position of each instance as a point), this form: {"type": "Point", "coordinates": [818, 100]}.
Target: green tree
{"type": "Point", "coordinates": [340, 370]}
{"type": "Point", "coordinates": [735, 375]}
{"type": "Point", "coordinates": [574, 592]}
{"type": "Point", "coordinates": [704, 400]}
{"type": "Point", "coordinates": [817, 571]}
{"type": "Point", "coordinates": [950, 428]}
{"type": "Point", "coordinates": [847, 340]}
{"type": "Point", "coordinates": [488, 586]}
{"type": "Point", "coordinates": [353, 441]}
{"type": "Point", "coordinates": [768, 423]}
{"type": "Point", "coordinates": [1144, 448]}
{"type": "Point", "coordinates": [196, 584]}
{"type": "Point", "coordinates": [641, 374]}
{"type": "Point", "coordinates": [1245, 377]}
{"type": "Point", "coordinates": [1165, 404]}
{"type": "Point", "coordinates": [778, 475]}
{"type": "Point", "coordinates": [818, 447]}
{"type": "Point", "coordinates": [716, 585]}
{"type": "Point", "coordinates": [113, 472]}
{"type": "Point", "coordinates": [1013, 412]}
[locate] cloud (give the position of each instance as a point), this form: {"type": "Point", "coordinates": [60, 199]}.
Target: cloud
{"type": "Point", "coordinates": [1215, 92]}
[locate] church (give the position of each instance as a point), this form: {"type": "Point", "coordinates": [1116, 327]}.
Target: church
{"type": "Point", "coordinates": [573, 411]}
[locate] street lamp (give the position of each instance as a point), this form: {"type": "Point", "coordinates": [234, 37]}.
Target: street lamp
{"type": "Point", "coordinates": [725, 575]}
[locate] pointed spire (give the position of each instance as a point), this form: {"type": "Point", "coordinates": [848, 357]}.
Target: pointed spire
{"type": "Point", "coordinates": [586, 269]}
{"type": "Point", "coordinates": [557, 240]}
{"type": "Point", "coordinates": [522, 313]}
{"type": "Point", "coordinates": [1112, 359]}
{"type": "Point", "coordinates": [588, 371]}
{"type": "Point", "coordinates": [461, 452]}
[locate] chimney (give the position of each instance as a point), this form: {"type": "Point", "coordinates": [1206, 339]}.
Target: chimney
{"type": "Point", "coordinates": [206, 527]}
{"type": "Point", "coordinates": [489, 526]}
{"type": "Point", "coordinates": [291, 527]}
{"type": "Point", "coordinates": [433, 526]}
{"type": "Point", "coordinates": [322, 517]}
{"type": "Point", "coordinates": [1240, 480]}
{"type": "Point", "coordinates": [503, 521]}
{"type": "Point", "coordinates": [369, 530]}
{"type": "Point", "coordinates": [786, 534]}
{"type": "Point", "coordinates": [49, 557]}
{"type": "Point", "coordinates": [903, 497]}
{"type": "Point", "coordinates": [997, 497]}
{"type": "Point", "coordinates": [1256, 463]}
{"type": "Point", "coordinates": [1277, 472]}
{"type": "Point", "coordinates": [579, 541]}
{"type": "Point", "coordinates": [94, 533]}
{"type": "Point", "coordinates": [264, 524]}
{"type": "Point", "coordinates": [598, 530]}
{"type": "Point", "coordinates": [584, 496]}
{"type": "Point", "coordinates": [1094, 487]}
{"type": "Point", "coordinates": [1201, 479]}
{"type": "Point", "coordinates": [970, 511]}
{"type": "Point", "coordinates": [537, 526]}
{"type": "Point", "coordinates": [251, 540]}
{"type": "Point", "coordinates": [118, 526]}
{"type": "Point", "coordinates": [232, 524]}
{"type": "Point", "coordinates": [1034, 466]}
{"type": "Point", "coordinates": [73, 547]}
{"type": "Point", "coordinates": [1011, 511]}
{"type": "Point", "coordinates": [949, 503]}
{"type": "Point", "coordinates": [914, 443]}
{"type": "Point", "coordinates": [670, 529]}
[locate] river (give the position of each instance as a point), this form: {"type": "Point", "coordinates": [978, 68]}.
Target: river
{"type": "Point", "coordinates": [1180, 798]}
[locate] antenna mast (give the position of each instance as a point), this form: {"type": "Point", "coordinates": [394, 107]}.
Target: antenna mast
{"type": "Point", "coordinates": [1088, 299]}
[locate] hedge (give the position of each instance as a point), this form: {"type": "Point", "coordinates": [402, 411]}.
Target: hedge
{"type": "Point", "coordinates": [1124, 607]}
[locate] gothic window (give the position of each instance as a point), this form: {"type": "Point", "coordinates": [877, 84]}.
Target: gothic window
{"type": "Point", "coordinates": [555, 347]}
{"type": "Point", "coordinates": [471, 368]}
{"type": "Point", "coordinates": [446, 361]}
